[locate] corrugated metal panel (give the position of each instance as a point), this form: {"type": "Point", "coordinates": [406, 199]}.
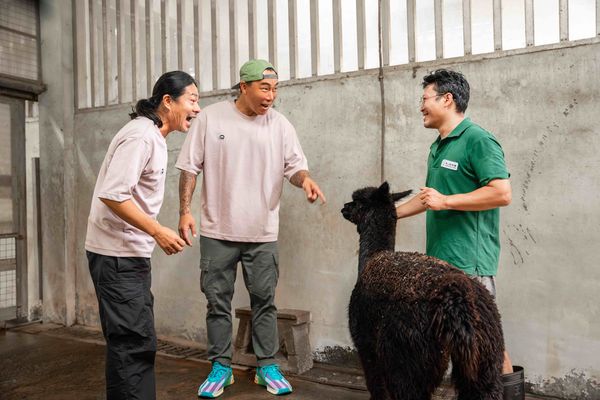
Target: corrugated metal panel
{"type": "Point", "coordinates": [19, 15]}
{"type": "Point", "coordinates": [19, 39]}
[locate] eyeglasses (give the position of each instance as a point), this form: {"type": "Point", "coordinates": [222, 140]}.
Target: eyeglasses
{"type": "Point", "coordinates": [424, 99]}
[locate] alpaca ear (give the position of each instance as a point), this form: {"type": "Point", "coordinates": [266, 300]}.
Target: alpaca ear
{"type": "Point", "coordinates": [400, 195]}
{"type": "Point", "coordinates": [384, 188]}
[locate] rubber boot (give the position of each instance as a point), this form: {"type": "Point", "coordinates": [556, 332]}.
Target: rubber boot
{"type": "Point", "coordinates": [514, 384]}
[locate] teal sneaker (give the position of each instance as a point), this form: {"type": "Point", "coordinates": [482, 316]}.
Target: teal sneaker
{"type": "Point", "coordinates": [271, 377]}
{"type": "Point", "coordinates": [219, 378]}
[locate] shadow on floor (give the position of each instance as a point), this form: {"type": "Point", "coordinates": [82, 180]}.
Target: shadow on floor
{"type": "Point", "coordinates": [50, 362]}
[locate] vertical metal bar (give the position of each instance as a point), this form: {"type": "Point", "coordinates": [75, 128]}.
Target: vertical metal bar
{"type": "Point", "coordinates": [92, 56]}
{"type": "Point", "coordinates": [18, 168]}
{"type": "Point", "coordinates": [38, 212]}
{"type": "Point", "coordinates": [468, 48]}
{"type": "Point", "coordinates": [163, 34]}
{"type": "Point", "coordinates": [133, 8]}
{"type": "Point", "coordinates": [233, 44]}
{"type": "Point", "coordinates": [214, 37]}
{"type": "Point", "coordinates": [497, 25]}
{"type": "Point", "coordinates": [105, 50]}
{"type": "Point", "coordinates": [38, 31]}
{"type": "Point", "coordinates": [120, 69]}
{"type": "Point", "coordinates": [439, 29]}
{"type": "Point", "coordinates": [293, 26]}
{"type": "Point", "coordinates": [386, 37]}
{"type": "Point", "coordinates": [272, 29]}
{"type": "Point", "coordinates": [529, 21]}
{"type": "Point", "coordinates": [360, 33]}
{"type": "Point", "coordinates": [338, 48]}
{"type": "Point", "coordinates": [197, 43]}
{"type": "Point", "coordinates": [380, 22]}
{"type": "Point", "coordinates": [148, 47]}
{"type": "Point", "coordinates": [179, 35]}
{"type": "Point", "coordinates": [314, 37]}
{"type": "Point", "coordinates": [597, 17]}
{"type": "Point", "coordinates": [112, 58]}
{"type": "Point", "coordinates": [563, 17]}
{"type": "Point", "coordinates": [410, 27]}
{"type": "Point", "coordinates": [252, 29]}
{"type": "Point", "coordinates": [76, 65]}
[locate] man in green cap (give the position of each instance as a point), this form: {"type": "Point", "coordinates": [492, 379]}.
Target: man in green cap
{"type": "Point", "coordinates": [245, 149]}
{"type": "Point", "coordinates": [467, 182]}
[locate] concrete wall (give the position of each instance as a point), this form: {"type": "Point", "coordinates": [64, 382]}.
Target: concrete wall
{"type": "Point", "coordinates": [543, 108]}
{"type": "Point", "coordinates": [58, 169]}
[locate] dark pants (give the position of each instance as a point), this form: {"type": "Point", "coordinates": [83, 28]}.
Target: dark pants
{"type": "Point", "coordinates": [125, 304]}
{"type": "Point", "coordinates": [218, 263]}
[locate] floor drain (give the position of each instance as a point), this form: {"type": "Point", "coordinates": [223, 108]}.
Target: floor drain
{"type": "Point", "coordinates": [163, 346]}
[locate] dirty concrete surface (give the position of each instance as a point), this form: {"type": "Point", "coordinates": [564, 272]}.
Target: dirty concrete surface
{"type": "Point", "coordinates": [39, 366]}
{"type": "Point", "coordinates": [55, 363]}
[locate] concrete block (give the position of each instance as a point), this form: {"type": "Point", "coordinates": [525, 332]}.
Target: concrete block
{"type": "Point", "coordinates": [294, 346]}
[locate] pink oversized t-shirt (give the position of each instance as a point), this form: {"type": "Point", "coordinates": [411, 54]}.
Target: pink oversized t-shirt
{"type": "Point", "coordinates": [134, 168]}
{"type": "Point", "coordinates": [244, 161]}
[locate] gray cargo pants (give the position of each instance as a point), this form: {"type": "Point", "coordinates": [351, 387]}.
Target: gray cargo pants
{"type": "Point", "coordinates": [218, 266]}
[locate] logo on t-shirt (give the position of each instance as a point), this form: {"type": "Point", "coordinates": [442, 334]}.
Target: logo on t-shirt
{"type": "Point", "coordinates": [453, 165]}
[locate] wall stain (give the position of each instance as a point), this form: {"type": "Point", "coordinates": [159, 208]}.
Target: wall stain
{"type": "Point", "coordinates": [533, 162]}
{"type": "Point", "coordinates": [346, 356]}
{"type": "Point", "coordinates": [569, 107]}
{"type": "Point", "coordinates": [530, 235]}
{"type": "Point", "coordinates": [523, 238]}
{"type": "Point", "coordinates": [515, 253]}
{"type": "Point", "coordinates": [573, 386]}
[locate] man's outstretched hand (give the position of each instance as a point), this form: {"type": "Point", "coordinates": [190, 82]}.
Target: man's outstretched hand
{"type": "Point", "coordinates": [312, 190]}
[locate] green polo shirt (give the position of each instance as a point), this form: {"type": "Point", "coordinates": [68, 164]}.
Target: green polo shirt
{"type": "Point", "coordinates": [467, 159]}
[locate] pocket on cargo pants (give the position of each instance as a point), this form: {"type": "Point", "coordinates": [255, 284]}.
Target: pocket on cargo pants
{"type": "Point", "coordinates": [126, 310]}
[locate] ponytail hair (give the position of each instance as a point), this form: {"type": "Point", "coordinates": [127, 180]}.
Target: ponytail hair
{"type": "Point", "coordinates": [172, 83]}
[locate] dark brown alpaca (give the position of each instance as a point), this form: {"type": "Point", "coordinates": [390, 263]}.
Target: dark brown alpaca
{"type": "Point", "coordinates": [410, 314]}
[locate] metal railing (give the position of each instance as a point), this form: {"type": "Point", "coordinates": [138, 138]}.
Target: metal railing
{"type": "Point", "coordinates": [123, 46]}
{"type": "Point", "coordinates": [8, 276]}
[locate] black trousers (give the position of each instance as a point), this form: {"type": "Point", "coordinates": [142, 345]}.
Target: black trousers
{"type": "Point", "coordinates": [125, 304]}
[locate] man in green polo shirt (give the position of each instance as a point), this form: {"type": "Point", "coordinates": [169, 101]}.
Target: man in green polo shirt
{"type": "Point", "coordinates": [467, 182]}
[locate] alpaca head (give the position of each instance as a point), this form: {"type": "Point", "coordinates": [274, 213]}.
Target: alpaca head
{"type": "Point", "coordinates": [372, 205]}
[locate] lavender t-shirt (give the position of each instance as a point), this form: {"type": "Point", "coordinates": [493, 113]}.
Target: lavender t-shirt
{"type": "Point", "coordinates": [134, 168]}
{"type": "Point", "coordinates": [244, 161]}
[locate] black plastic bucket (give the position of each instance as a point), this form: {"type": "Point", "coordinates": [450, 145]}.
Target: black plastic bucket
{"type": "Point", "coordinates": [514, 384]}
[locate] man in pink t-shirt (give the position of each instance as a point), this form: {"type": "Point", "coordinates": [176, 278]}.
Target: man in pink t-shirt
{"type": "Point", "coordinates": [245, 149]}
{"type": "Point", "coordinates": [122, 232]}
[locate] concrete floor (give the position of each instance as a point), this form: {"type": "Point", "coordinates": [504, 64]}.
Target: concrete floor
{"type": "Point", "coordinates": [48, 362]}
{"type": "Point", "coordinates": [38, 366]}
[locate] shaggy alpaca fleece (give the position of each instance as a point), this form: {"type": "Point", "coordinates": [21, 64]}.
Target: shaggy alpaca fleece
{"type": "Point", "coordinates": [410, 314]}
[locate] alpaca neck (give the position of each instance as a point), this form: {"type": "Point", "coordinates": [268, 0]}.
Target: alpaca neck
{"type": "Point", "coordinates": [376, 237]}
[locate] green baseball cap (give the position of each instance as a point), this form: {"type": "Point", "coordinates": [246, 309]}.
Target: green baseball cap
{"type": "Point", "coordinates": [253, 70]}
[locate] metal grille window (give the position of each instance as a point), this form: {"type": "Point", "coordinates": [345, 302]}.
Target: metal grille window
{"type": "Point", "coordinates": [19, 39]}
{"type": "Point", "coordinates": [8, 273]}
{"type": "Point", "coordinates": [123, 46]}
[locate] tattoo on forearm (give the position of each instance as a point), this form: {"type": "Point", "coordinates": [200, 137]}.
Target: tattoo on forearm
{"type": "Point", "coordinates": [298, 178]}
{"type": "Point", "coordinates": [187, 184]}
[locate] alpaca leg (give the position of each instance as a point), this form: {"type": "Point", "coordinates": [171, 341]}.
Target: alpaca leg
{"type": "Point", "coordinates": [374, 377]}
{"type": "Point", "coordinates": [413, 370]}
{"type": "Point", "coordinates": [487, 386]}
{"type": "Point", "coordinates": [402, 386]}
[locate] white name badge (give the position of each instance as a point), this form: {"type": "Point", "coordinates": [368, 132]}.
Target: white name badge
{"type": "Point", "coordinates": [450, 165]}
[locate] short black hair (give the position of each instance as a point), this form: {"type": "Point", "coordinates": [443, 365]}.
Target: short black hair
{"type": "Point", "coordinates": [447, 81]}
